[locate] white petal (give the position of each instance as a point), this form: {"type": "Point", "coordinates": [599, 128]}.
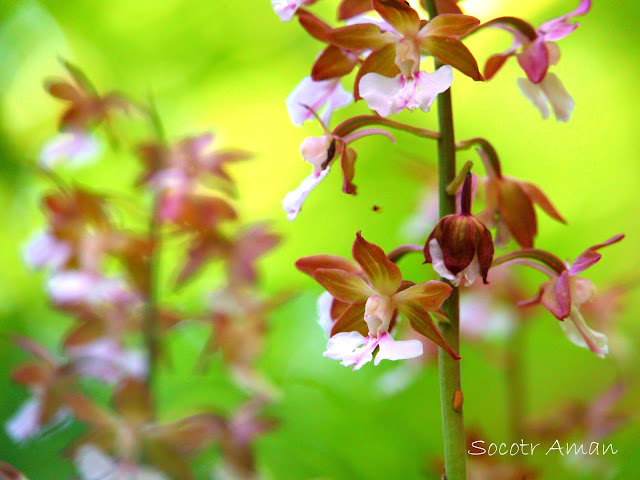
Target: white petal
{"type": "Point", "coordinates": [535, 95]}
{"type": "Point", "coordinates": [343, 344]}
{"type": "Point", "coordinates": [24, 423]}
{"type": "Point", "coordinates": [325, 301]}
{"type": "Point", "coordinates": [581, 335]}
{"type": "Point", "coordinates": [307, 93]}
{"type": "Point", "coordinates": [391, 349]}
{"type": "Point", "coordinates": [45, 250]}
{"type": "Point", "coordinates": [381, 93]}
{"type": "Point", "coordinates": [105, 360]}
{"type": "Point", "coordinates": [76, 286]}
{"type": "Point", "coordinates": [558, 97]}
{"type": "Point", "coordinates": [70, 286]}
{"type": "Point", "coordinates": [292, 202]}
{"type": "Point", "coordinates": [93, 464]}
{"type": "Point", "coordinates": [286, 9]}
{"type": "Point", "coordinates": [73, 147]}
{"type": "Point", "coordinates": [437, 260]}
{"type": "Point", "coordinates": [431, 84]}
{"type": "Point", "coordinates": [471, 272]}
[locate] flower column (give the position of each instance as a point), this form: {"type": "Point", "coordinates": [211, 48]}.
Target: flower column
{"type": "Point", "coordinates": [452, 418]}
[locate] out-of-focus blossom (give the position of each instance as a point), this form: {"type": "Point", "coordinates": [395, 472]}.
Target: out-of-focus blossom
{"type": "Point", "coordinates": [481, 318]}
{"type": "Point", "coordinates": [240, 253]}
{"type": "Point", "coordinates": [30, 419]}
{"type": "Point", "coordinates": [86, 107]}
{"type": "Point", "coordinates": [374, 293]}
{"type": "Point", "coordinates": [238, 434]}
{"type": "Point", "coordinates": [47, 377]}
{"type": "Point", "coordinates": [106, 360]}
{"type": "Point", "coordinates": [603, 313]}
{"type": "Point", "coordinates": [181, 172]}
{"type": "Point", "coordinates": [74, 287]}
{"type": "Point", "coordinates": [127, 433]}
{"type": "Point", "coordinates": [71, 148]}
{"type": "Point", "coordinates": [93, 464]}
{"type": "Point", "coordinates": [310, 96]}
{"type": "Point", "coordinates": [426, 216]}
{"type": "Point", "coordinates": [8, 472]}
{"type": "Point", "coordinates": [45, 251]}
{"type": "Point", "coordinates": [460, 247]}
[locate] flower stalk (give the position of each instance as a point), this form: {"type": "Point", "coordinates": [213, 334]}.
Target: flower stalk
{"type": "Point", "coordinates": [515, 380]}
{"type": "Point", "coordinates": [452, 419]}
{"type": "Point", "coordinates": [150, 323]}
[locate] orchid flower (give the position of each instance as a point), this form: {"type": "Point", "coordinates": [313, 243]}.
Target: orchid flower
{"type": "Point", "coordinates": [86, 107]}
{"type": "Point", "coordinates": [46, 377]}
{"type": "Point", "coordinates": [179, 170]}
{"type": "Point", "coordinates": [239, 432]}
{"type": "Point", "coordinates": [126, 434]}
{"type": "Point", "coordinates": [536, 51]}
{"type": "Point", "coordinates": [565, 292]}
{"type": "Point", "coordinates": [374, 293]}
{"type": "Point", "coordinates": [320, 152]}
{"type": "Point", "coordinates": [93, 464]}
{"type": "Point", "coordinates": [460, 247]}
{"type": "Point", "coordinates": [45, 251]}
{"type": "Point", "coordinates": [390, 79]}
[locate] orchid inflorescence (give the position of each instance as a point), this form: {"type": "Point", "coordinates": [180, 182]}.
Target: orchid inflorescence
{"type": "Point", "coordinates": [385, 41]}
{"type": "Point", "coordinates": [103, 274]}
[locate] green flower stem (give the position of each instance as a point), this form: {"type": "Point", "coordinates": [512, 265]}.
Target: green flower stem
{"type": "Point", "coordinates": [455, 456]}
{"type": "Point", "coordinates": [150, 320]}
{"type": "Point", "coordinates": [514, 373]}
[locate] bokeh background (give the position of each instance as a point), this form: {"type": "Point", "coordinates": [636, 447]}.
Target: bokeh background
{"type": "Point", "coordinates": [227, 67]}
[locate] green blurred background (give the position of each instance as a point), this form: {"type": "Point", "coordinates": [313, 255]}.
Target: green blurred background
{"type": "Point", "coordinates": [227, 66]}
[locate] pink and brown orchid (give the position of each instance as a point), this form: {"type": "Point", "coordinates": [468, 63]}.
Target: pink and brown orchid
{"type": "Point", "coordinates": [372, 294]}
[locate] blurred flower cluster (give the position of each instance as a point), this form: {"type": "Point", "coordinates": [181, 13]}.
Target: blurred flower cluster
{"type": "Point", "coordinates": [104, 272]}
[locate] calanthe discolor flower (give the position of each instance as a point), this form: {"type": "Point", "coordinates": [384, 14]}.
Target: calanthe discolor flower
{"type": "Point", "coordinates": [373, 293]}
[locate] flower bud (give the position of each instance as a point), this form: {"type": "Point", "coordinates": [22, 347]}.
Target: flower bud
{"type": "Point", "coordinates": [460, 247]}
